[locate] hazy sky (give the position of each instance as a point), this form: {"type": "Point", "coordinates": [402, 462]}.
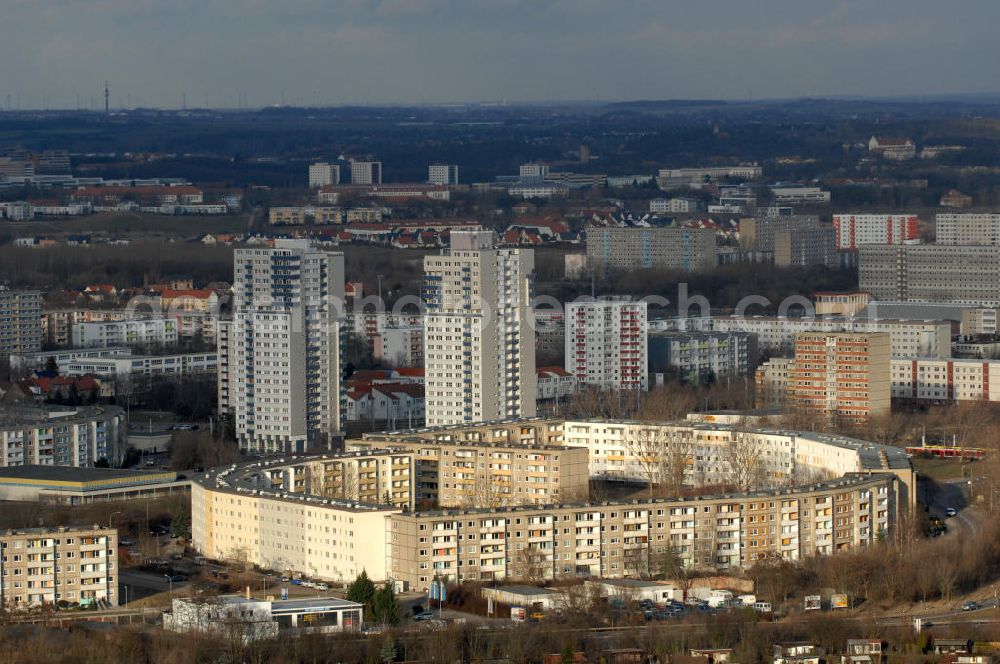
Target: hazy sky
{"type": "Point", "coordinates": [373, 51]}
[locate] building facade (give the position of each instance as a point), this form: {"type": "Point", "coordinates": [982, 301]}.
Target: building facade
{"type": "Point", "coordinates": [606, 343]}
{"type": "Point", "coordinates": [366, 172]}
{"type": "Point", "coordinates": [46, 566]}
{"type": "Point", "coordinates": [479, 349]}
{"type": "Point", "coordinates": [931, 272]}
{"type": "Point", "coordinates": [20, 321]}
{"type": "Point", "coordinates": [284, 347]}
{"type": "Point", "coordinates": [137, 332]}
{"type": "Point", "coordinates": [841, 375]}
{"type": "Point", "coordinates": [776, 334]}
{"type": "Point", "coordinates": [955, 228]}
{"type": "Point", "coordinates": [889, 229]}
{"type": "Point", "coordinates": [480, 474]}
{"type": "Point", "coordinates": [686, 249]}
{"type": "Point", "coordinates": [60, 436]}
{"type": "Point", "coordinates": [322, 174]}
{"type": "Point", "coordinates": [627, 539]}
{"type": "Point", "coordinates": [931, 380]}
{"type": "Point", "coordinates": [442, 174]}
{"type": "Point", "coordinates": [701, 356]}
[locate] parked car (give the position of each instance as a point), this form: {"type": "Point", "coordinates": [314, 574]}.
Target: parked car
{"type": "Point", "coordinates": [322, 586]}
{"type": "Point", "coordinates": [970, 606]}
{"type": "Point", "coordinates": [951, 511]}
{"type": "Point", "coordinates": [424, 615]}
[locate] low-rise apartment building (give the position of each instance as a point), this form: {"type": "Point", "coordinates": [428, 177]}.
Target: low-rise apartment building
{"type": "Point", "coordinates": [236, 515]}
{"type": "Point", "coordinates": [698, 356]}
{"type": "Point", "coordinates": [626, 539]}
{"type": "Point", "coordinates": [370, 476]}
{"type": "Point", "coordinates": [263, 513]}
{"type": "Point", "coordinates": [704, 453]}
{"type": "Point", "coordinates": [183, 364]}
{"type": "Point", "coordinates": [61, 436]}
{"type": "Point", "coordinates": [467, 474]}
{"type": "Point", "coordinates": [46, 566]}
{"type": "Point", "coordinates": [136, 332]}
{"type": "Point", "coordinates": [776, 334]}
{"type": "Point", "coordinates": [932, 380]}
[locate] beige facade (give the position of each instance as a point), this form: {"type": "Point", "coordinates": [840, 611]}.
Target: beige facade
{"type": "Point", "coordinates": [48, 565]}
{"type": "Point", "coordinates": [471, 474]}
{"type": "Point", "coordinates": [631, 539]}
{"type": "Point", "coordinates": [841, 375]}
{"type": "Point", "coordinates": [841, 304]}
{"type": "Point", "coordinates": [322, 538]}
{"type": "Point", "coordinates": [270, 514]}
{"type": "Point", "coordinates": [377, 477]}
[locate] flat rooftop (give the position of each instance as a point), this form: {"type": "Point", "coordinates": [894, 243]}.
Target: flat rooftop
{"type": "Point", "coordinates": [67, 477]}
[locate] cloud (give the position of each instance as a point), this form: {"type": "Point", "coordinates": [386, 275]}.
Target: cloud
{"type": "Point", "coordinates": [427, 50]}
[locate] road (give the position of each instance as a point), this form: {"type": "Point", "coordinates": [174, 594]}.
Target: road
{"type": "Point", "coordinates": [955, 493]}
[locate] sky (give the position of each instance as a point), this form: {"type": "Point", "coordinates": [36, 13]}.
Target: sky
{"type": "Point", "coordinates": [225, 53]}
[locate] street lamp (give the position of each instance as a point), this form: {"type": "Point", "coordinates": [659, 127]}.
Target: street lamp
{"type": "Point", "coordinates": [111, 516]}
{"type": "Point", "coordinates": [170, 582]}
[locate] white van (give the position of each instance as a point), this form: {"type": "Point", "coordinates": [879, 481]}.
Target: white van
{"type": "Point", "coordinates": [762, 607]}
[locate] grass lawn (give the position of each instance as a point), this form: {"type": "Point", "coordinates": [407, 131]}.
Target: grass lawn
{"type": "Point", "coordinates": [941, 470]}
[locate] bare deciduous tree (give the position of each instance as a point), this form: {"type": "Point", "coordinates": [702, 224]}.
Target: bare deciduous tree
{"type": "Point", "coordinates": [744, 454]}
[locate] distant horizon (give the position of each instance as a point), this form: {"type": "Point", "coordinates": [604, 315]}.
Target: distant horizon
{"type": "Point", "coordinates": [57, 54]}
{"type": "Point", "coordinates": [957, 97]}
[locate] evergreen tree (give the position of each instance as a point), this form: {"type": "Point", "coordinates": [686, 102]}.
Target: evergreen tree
{"type": "Point", "coordinates": [362, 591]}
{"type": "Point", "coordinates": [385, 607]}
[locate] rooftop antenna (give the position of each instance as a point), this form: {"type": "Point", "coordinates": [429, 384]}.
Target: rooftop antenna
{"type": "Point", "coordinates": [107, 98]}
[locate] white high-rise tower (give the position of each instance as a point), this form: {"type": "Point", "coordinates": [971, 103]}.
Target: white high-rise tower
{"type": "Point", "coordinates": [284, 348]}
{"type": "Point", "coordinates": [479, 346]}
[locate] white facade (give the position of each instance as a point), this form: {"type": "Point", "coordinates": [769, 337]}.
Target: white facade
{"type": "Point", "coordinates": [534, 171]}
{"type": "Point", "coordinates": [442, 174]}
{"type": "Point", "coordinates": [906, 338]}
{"type": "Point", "coordinates": [400, 346]}
{"type": "Point", "coordinates": [660, 205]}
{"type": "Point", "coordinates": [945, 380]}
{"type": "Point", "coordinates": [616, 448]}
{"type": "Point", "coordinates": [145, 365]}
{"type": "Point", "coordinates": [554, 383]}
{"type": "Point", "coordinates": [968, 228]}
{"type": "Point", "coordinates": [143, 332]}
{"type": "Point", "coordinates": [479, 349]}
{"type": "Point", "coordinates": [322, 174]}
{"type": "Point", "coordinates": [855, 229]}
{"type": "Point", "coordinates": [284, 377]}
{"type": "Point", "coordinates": [606, 344]}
